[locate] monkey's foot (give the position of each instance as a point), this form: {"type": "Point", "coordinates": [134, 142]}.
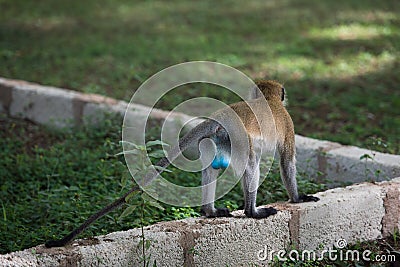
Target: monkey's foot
{"type": "Point", "coordinates": [261, 213]}
{"type": "Point", "coordinates": [307, 198]}
{"type": "Point", "coordinates": [219, 212]}
{"type": "Point", "coordinates": [55, 243]}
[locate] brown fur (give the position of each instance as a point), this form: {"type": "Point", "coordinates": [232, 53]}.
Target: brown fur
{"type": "Point", "coordinates": [260, 126]}
{"type": "Point", "coordinates": [284, 128]}
{"type": "Point", "coordinates": [272, 91]}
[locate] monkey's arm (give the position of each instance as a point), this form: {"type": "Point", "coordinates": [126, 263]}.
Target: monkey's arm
{"type": "Point", "coordinates": [288, 173]}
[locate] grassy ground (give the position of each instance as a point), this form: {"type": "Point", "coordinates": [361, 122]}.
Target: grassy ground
{"type": "Point", "coordinates": [51, 181]}
{"type": "Point", "coordinates": [339, 59]}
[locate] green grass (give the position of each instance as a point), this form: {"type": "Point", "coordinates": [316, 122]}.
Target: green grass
{"type": "Point", "coordinates": [53, 180]}
{"type": "Point", "coordinates": [339, 59]}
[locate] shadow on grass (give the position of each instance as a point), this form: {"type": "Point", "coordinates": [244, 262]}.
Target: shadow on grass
{"type": "Point", "coordinates": [355, 111]}
{"type": "Point", "coordinates": [338, 59]}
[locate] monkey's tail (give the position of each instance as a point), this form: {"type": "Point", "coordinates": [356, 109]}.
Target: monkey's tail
{"type": "Point", "coordinates": [68, 238]}
{"type": "Point", "coordinates": [202, 130]}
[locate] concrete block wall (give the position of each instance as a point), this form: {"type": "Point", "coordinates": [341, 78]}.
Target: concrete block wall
{"type": "Point", "coordinates": [325, 160]}
{"type": "Point", "coordinates": [318, 159]}
{"type": "Point", "coordinates": [356, 213]}
{"type": "Point", "coordinates": [360, 212]}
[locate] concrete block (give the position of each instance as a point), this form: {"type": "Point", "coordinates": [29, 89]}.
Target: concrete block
{"type": "Point", "coordinates": [5, 96]}
{"type": "Point", "coordinates": [345, 164]}
{"type": "Point", "coordinates": [98, 105]}
{"type": "Point", "coordinates": [92, 113]}
{"type": "Point", "coordinates": [115, 249]}
{"type": "Point", "coordinates": [189, 242]}
{"type": "Point", "coordinates": [324, 160]}
{"type": "Point", "coordinates": [391, 202]}
{"type": "Point", "coordinates": [310, 160]}
{"type": "Point", "coordinates": [47, 105]}
{"type": "Point", "coordinates": [240, 241]}
{"type": "Point", "coordinates": [125, 249]}
{"type": "Point", "coordinates": [353, 213]}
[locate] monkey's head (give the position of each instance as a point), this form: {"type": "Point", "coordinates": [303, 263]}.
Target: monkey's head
{"type": "Point", "coordinates": [270, 89]}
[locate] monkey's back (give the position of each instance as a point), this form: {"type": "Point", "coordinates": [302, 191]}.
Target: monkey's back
{"type": "Point", "coordinates": [253, 115]}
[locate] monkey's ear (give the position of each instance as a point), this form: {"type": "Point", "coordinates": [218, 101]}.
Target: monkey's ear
{"type": "Point", "coordinates": [283, 94]}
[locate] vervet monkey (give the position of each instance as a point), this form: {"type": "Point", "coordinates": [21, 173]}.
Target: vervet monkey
{"type": "Point", "coordinates": [258, 129]}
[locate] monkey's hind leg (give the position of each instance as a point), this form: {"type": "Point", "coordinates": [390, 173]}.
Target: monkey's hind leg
{"type": "Point", "coordinates": [209, 183]}
{"type": "Point", "coordinates": [250, 182]}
